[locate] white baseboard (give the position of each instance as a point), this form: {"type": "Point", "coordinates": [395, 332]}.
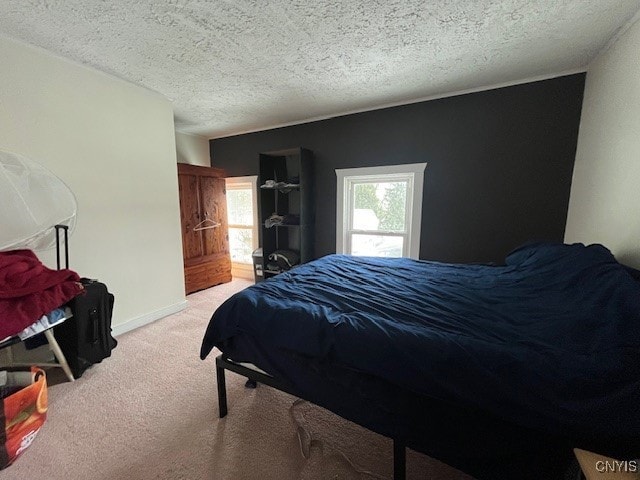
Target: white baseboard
{"type": "Point", "coordinates": [148, 318]}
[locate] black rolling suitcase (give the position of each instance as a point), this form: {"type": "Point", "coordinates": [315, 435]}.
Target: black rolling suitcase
{"type": "Point", "coordinates": [85, 338]}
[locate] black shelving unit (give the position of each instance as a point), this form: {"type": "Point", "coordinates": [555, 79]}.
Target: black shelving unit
{"type": "Point", "coordinates": [286, 190]}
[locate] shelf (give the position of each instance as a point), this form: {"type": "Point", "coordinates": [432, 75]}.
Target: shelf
{"type": "Point", "coordinates": [280, 188]}
{"type": "Point", "coordinates": [285, 202]}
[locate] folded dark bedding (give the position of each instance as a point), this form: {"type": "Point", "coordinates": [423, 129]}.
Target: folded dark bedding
{"type": "Point", "coordinates": [549, 341]}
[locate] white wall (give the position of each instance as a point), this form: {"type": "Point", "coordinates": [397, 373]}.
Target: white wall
{"type": "Point", "coordinates": [605, 195]}
{"type": "Point", "coordinates": [192, 149]}
{"type": "Point", "coordinates": [113, 143]}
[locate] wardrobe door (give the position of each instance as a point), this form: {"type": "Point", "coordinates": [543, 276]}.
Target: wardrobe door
{"type": "Point", "coordinates": [215, 241]}
{"type": "Point", "coordinates": [214, 207]}
{"type": "Point", "coordinates": [190, 217]}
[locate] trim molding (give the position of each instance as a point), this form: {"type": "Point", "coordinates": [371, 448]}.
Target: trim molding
{"type": "Point", "coordinates": [616, 36]}
{"type": "Point", "coordinates": [147, 318]}
{"type": "Point", "coordinates": [413, 173]}
{"type": "Point", "coordinates": [382, 106]}
{"type": "Point", "coordinates": [245, 270]}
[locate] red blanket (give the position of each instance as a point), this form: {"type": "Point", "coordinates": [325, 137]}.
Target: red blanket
{"type": "Point", "coordinates": [29, 290]}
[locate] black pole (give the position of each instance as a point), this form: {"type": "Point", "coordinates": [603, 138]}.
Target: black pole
{"type": "Point", "coordinates": [399, 460]}
{"type": "Point", "coordinates": [222, 389]}
{"type": "Point", "coordinates": [66, 245]}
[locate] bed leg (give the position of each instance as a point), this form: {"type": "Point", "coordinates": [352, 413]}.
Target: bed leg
{"type": "Point", "coordinates": [399, 460]}
{"type": "Point", "coordinates": [222, 390]}
{"type": "Point", "coordinates": [250, 383]}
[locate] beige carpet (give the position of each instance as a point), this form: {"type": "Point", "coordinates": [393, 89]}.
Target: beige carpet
{"type": "Point", "coordinates": [150, 412]}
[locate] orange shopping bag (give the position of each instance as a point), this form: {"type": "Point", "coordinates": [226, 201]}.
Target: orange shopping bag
{"type": "Point", "coordinates": [23, 411]}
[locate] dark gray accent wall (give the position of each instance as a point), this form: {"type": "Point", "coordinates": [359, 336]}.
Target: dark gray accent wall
{"type": "Point", "coordinates": [499, 164]}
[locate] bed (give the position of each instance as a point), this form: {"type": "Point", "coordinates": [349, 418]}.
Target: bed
{"type": "Point", "coordinates": [497, 370]}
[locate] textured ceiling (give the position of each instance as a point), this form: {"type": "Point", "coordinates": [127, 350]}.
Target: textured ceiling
{"type": "Point", "coordinates": [231, 66]}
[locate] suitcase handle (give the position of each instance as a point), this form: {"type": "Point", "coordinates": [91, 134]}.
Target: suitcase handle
{"type": "Point", "coordinates": [94, 318]}
{"type": "Point", "coordinates": [65, 229]}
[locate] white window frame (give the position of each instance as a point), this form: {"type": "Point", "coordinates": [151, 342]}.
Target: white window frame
{"type": "Point", "coordinates": [245, 270]}
{"type": "Point", "coordinates": [413, 173]}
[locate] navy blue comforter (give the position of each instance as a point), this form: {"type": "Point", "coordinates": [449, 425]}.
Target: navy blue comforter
{"type": "Point", "coordinates": [549, 341]}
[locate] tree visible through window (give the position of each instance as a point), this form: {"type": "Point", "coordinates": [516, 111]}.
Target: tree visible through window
{"type": "Point", "coordinates": [378, 218]}
{"type": "Point", "coordinates": [380, 210]}
{"type": "Point", "coordinates": [386, 200]}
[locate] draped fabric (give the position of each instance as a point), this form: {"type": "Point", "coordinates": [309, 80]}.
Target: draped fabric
{"type": "Point", "coordinates": [550, 341]}
{"type": "Point", "coordinates": [29, 290]}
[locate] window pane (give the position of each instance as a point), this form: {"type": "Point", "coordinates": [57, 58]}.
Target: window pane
{"type": "Point", "coordinates": [376, 245]}
{"type": "Point", "coordinates": [379, 206]}
{"type": "Point", "coordinates": [239, 206]}
{"type": "Point", "coordinates": [240, 244]}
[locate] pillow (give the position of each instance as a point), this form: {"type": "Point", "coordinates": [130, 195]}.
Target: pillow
{"type": "Point", "coordinates": [531, 249]}
{"type": "Point", "coordinates": [633, 272]}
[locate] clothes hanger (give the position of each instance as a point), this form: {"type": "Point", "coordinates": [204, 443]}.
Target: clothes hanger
{"type": "Point", "coordinates": [202, 226]}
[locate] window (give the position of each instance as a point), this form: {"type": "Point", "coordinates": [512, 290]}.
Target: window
{"type": "Point", "coordinates": [379, 210]}
{"type": "Point", "coordinates": [243, 223]}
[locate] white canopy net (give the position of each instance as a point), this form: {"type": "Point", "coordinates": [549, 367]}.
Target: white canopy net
{"type": "Point", "coordinates": [32, 201]}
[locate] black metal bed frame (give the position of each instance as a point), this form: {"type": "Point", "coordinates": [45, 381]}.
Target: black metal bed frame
{"type": "Point", "coordinates": [223, 363]}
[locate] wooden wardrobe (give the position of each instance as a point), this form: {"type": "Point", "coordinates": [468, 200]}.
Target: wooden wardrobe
{"type": "Point", "coordinates": [203, 215]}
